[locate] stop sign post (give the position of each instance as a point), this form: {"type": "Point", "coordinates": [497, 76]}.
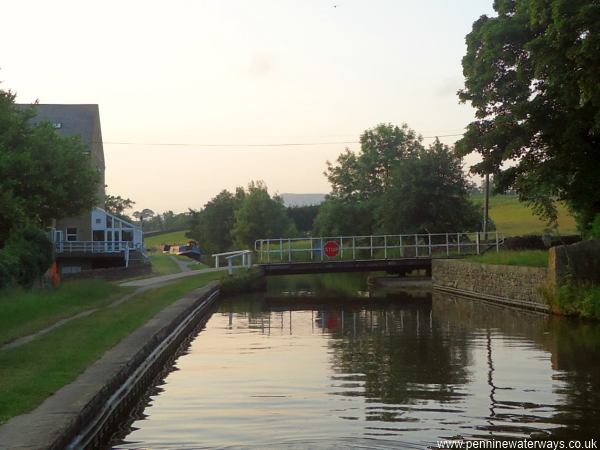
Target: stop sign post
{"type": "Point", "coordinates": [332, 249]}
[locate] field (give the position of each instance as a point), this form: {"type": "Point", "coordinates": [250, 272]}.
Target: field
{"type": "Point", "coordinates": [513, 218]}
{"type": "Point", "coordinates": [176, 237]}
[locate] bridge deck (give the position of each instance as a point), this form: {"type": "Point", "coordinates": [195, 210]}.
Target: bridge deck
{"type": "Point", "coordinates": [399, 266]}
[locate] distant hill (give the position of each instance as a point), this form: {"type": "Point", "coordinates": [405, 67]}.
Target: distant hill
{"type": "Point", "coordinates": [302, 199]}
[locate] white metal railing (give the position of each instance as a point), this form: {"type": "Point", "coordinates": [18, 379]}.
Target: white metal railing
{"type": "Point", "coordinates": [376, 246]}
{"type": "Point", "coordinates": [91, 246]}
{"type": "Point", "coordinates": [94, 247]}
{"type": "Point", "coordinates": [246, 256]}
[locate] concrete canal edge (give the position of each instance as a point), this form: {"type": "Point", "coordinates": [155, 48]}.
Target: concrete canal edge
{"type": "Point", "coordinates": [513, 286]}
{"type": "Point", "coordinates": [83, 413]}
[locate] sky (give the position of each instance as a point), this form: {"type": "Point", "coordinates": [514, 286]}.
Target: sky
{"type": "Point", "coordinates": [194, 93]}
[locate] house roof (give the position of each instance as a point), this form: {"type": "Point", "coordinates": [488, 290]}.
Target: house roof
{"type": "Point", "coordinates": [82, 120]}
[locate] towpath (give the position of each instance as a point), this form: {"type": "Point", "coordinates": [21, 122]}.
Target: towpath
{"type": "Point", "coordinates": [142, 285]}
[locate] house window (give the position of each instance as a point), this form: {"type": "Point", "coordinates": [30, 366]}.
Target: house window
{"type": "Point", "coordinates": [128, 235]}
{"type": "Point", "coordinates": [71, 234]}
{"type": "Point", "coordinates": [98, 235]}
{"type": "Point", "coordinates": [109, 222]}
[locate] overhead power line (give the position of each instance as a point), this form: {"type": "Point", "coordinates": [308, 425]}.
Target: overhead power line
{"type": "Point", "coordinates": [281, 144]}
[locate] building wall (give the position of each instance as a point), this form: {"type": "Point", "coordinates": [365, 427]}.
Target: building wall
{"type": "Point", "coordinates": [510, 285]}
{"type": "Point", "coordinates": [97, 158]}
{"type": "Point", "coordinates": [83, 224]}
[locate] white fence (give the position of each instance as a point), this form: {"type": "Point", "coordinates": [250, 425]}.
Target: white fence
{"type": "Point", "coordinates": [93, 247]}
{"type": "Point", "coordinates": [246, 256]}
{"type": "Point", "coordinates": [375, 246]}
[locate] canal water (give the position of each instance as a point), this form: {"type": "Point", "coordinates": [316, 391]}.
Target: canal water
{"type": "Point", "coordinates": [325, 362]}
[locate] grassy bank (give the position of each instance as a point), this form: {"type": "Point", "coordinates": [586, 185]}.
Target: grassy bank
{"type": "Point", "coordinates": [531, 258]}
{"type": "Point", "coordinates": [513, 218]}
{"type": "Point", "coordinates": [575, 299]}
{"type": "Point", "coordinates": [244, 280]}
{"type": "Point", "coordinates": [25, 312]}
{"type": "Point", "coordinates": [32, 372]}
{"type": "Point", "coordinates": [176, 237]}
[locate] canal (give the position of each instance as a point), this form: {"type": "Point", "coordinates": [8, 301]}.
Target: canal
{"type": "Point", "coordinates": [324, 362]}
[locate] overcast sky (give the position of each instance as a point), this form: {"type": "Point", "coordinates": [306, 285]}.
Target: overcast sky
{"type": "Point", "coordinates": [226, 72]}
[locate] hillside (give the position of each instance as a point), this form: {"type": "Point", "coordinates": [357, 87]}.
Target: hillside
{"type": "Point", "coordinates": [513, 218]}
{"type": "Point", "coordinates": [175, 237]}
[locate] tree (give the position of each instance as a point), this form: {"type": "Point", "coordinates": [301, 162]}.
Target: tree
{"type": "Point", "coordinates": [143, 215]}
{"type": "Point", "coordinates": [532, 74]}
{"type": "Point", "coordinates": [43, 176]}
{"type": "Point", "coordinates": [338, 217]}
{"type": "Point", "coordinates": [260, 216]}
{"type": "Point", "coordinates": [429, 193]}
{"type": "Point", "coordinates": [395, 185]}
{"type": "Point", "coordinates": [117, 205]}
{"type": "Point", "coordinates": [303, 216]}
{"type": "Point", "coordinates": [212, 226]}
{"type": "Point", "coordinates": [367, 175]}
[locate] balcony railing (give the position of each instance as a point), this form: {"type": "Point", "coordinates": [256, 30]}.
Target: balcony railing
{"type": "Point", "coordinates": [94, 247]}
{"type": "Point", "coordinates": [91, 246]}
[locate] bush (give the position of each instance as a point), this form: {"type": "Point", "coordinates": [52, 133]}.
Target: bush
{"type": "Point", "coordinates": [595, 228]}
{"type": "Point", "coordinates": [242, 281]}
{"type": "Point", "coordinates": [25, 257]}
{"type": "Point", "coordinates": [576, 299]}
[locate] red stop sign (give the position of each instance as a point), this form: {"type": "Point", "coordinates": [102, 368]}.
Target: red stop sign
{"type": "Point", "coordinates": [332, 249]}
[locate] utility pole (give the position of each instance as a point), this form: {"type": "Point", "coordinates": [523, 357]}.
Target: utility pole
{"type": "Point", "coordinates": [486, 206]}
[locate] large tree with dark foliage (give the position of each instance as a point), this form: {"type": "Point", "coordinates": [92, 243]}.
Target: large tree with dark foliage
{"type": "Point", "coordinates": [260, 216]}
{"type": "Point", "coordinates": [43, 176]}
{"type": "Point", "coordinates": [395, 185]}
{"type": "Point", "coordinates": [429, 193]}
{"type": "Point", "coordinates": [366, 175]}
{"type": "Point", "coordinates": [212, 226]}
{"type": "Point", "coordinates": [532, 73]}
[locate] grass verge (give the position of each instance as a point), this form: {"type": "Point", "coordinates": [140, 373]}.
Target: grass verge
{"type": "Point", "coordinates": [575, 299]}
{"type": "Point", "coordinates": [163, 264]}
{"type": "Point", "coordinates": [32, 372]}
{"type": "Point", "coordinates": [531, 258]}
{"type": "Point", "coordinates": [25, 312]}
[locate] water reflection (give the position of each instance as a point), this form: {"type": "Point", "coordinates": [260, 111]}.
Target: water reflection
{"type": "Point", "coordinates": [324, 362]}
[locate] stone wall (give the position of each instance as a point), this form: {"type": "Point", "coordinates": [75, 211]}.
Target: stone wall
{"type": "Point", "coordinates": [577, 262]}
{"type": "Point", "coordinates": [511, 285]}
